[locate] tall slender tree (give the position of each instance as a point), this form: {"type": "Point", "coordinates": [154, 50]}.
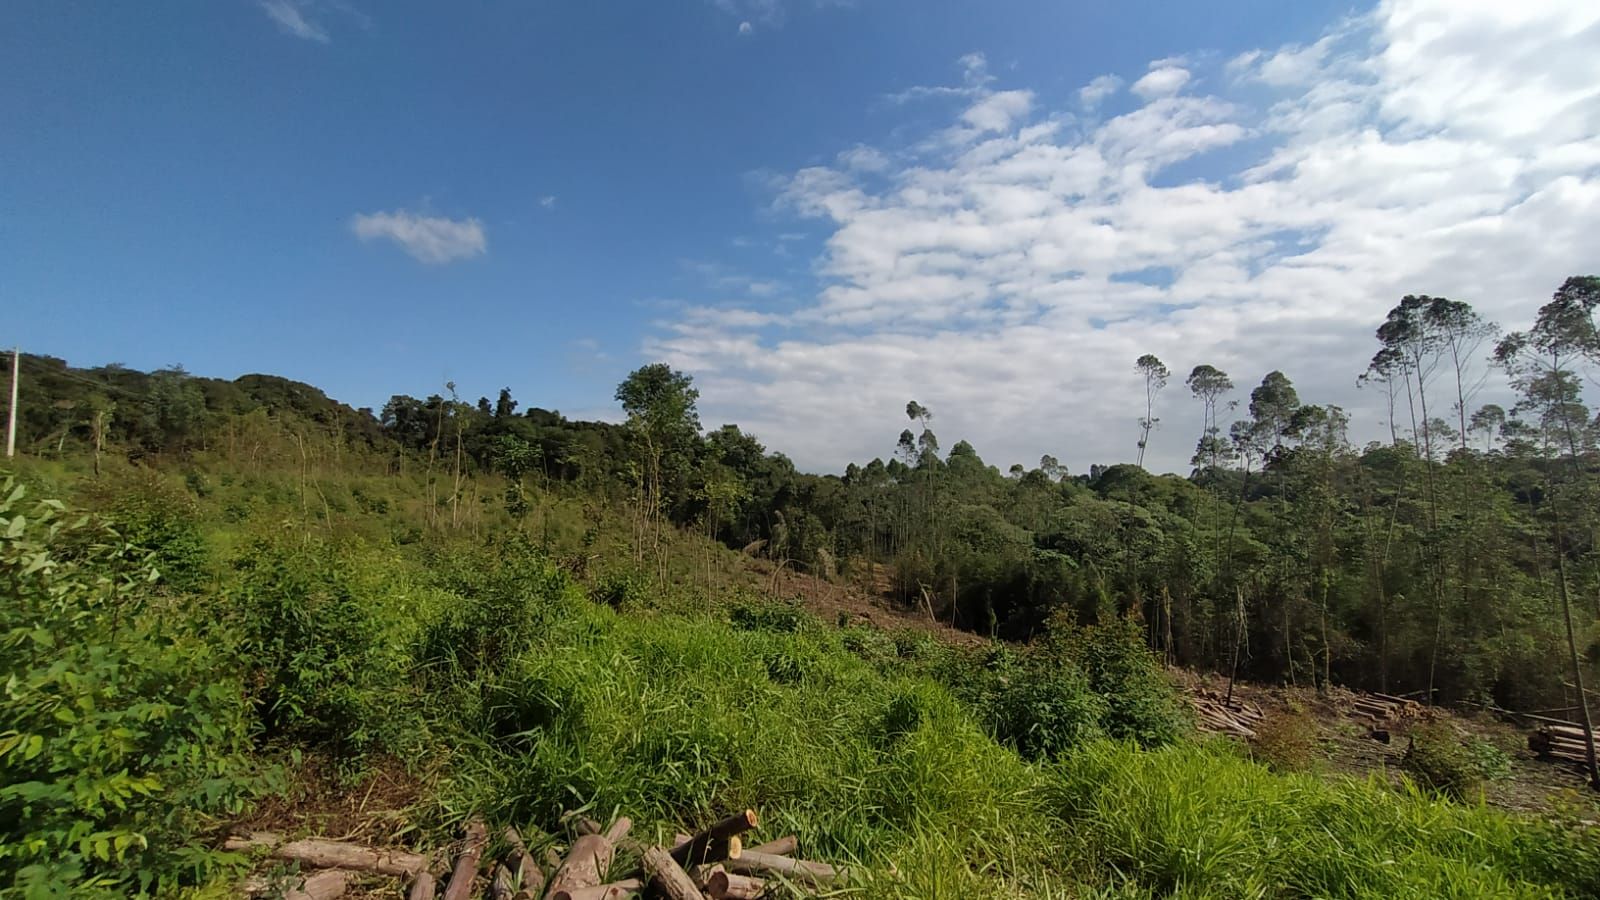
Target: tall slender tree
{"type": "Point", "coordinates": [1155, 374]}
{"type": "Point", "coordinates": [1543, 365]}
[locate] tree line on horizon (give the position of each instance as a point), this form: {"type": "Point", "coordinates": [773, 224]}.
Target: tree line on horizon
{"type": "Point", "coordinates": [1453, 558]}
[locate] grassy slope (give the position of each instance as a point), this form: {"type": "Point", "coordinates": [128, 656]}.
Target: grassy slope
{"type": "Point", "coordinates": [515, 695]}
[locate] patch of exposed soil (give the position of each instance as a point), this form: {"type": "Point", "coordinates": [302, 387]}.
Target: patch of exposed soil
{"type": "Point", "coordinates": [369, 809]}
{"type": "Point", "coordinates": [861, 601]}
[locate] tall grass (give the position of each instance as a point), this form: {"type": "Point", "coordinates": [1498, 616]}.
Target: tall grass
{"type": "Point", "coordinates": [1053, 772]}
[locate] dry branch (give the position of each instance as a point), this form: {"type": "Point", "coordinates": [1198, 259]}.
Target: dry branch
{"type": "Point", "coordinates": [423, 887]}
{"type": "Point", "coordinates": [784, 846]}
{"type": "Point", "coordinates": [752, 863]}
{"type": "Point", "coordinates": [619, 829]}
{"type": "Point", "coordinates": [612, 891]}
{"type": "Point", "coordinates": [332, 854]}
{"type": "Point", "coordinates": [526, 874]}
{"type": "Point", "coordinates": [323, 885]}
{"type": "Point", "coordinates": [666, 876]}
{"type": "Point", "coordinates": [720, 884]}
{"type": "Point", "coordinates": [585, 865]}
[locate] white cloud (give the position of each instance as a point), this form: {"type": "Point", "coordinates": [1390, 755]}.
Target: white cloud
{"type": "Point", "coordinates": [745, 28]}
{"type": "Point", "coordinates": [1092, 94]}
{"type": "Point", "coordinates": [1161, 81]}
{"type": "Point", "coordinates": [291, 19]}
{"type": "Point", "coordinates": [548, 201]}
{"type": "Point", "coordinates": [429, 239]}
{"type": "Point", "coordinates": [1008, 280]}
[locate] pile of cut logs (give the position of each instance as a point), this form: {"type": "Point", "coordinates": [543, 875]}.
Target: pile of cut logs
{"type": "Point", "coordinates": [1216, 714]}
{"type": "Point", "coordinates": [1382, 708]}
{"type": "Point", "coordinates": [712, 863]}
{"type": "Point", "coordinates": [1560, 741]}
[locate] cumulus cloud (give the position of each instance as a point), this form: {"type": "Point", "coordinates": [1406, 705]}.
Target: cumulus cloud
{"type": "Point", "coordinates": [1161, 81]}
{"type": "Point", "coordinates": [1008, 280]}
{"type": "Point", "coordinates": [291, 19]}
{"type": "Point", "coordinates": [1095, 92]}
{"type": "Point", "coordinates": [430, 239]}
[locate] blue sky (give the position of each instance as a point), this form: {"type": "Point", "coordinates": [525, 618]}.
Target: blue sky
{"type": "Point", "coordinates": [377, 198]}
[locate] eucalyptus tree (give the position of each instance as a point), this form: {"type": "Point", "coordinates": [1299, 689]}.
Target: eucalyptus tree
{"type": "Point", "coordinates": [1487, 422]}
{"type": "Point", "coordinates": [1155, 374]}
{"type": "Point", "coordinates": [1460, 333]}
{"type": "Point", "coordinates": [1208, 384]}
{"type": "Point", "coordinates": [1545, 367]}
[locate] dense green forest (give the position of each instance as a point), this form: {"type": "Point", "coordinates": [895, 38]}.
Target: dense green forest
{"type": "Point", "coordinates": [210, 582]}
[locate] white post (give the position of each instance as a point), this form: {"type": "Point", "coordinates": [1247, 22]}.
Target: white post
{"type": "Point", "coordinates": [11, 418]}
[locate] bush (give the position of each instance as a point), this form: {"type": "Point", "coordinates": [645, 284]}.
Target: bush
{"type": "Point", "coordinates": [1286, 740]}
{"type": "Point", "coordinates": [1037, 705]}
{"type": "Point", "coordinates": [122, 732]}
{"type": "Point", "coordinates": [502, 599]}
{"type": "Point", "coordinates": [1440, 760]}
{"type": "Point", "coordinates": [162, 522]}
{"type": "Point", "coordinates": [320, 671]}
{"type": "Point", "coordinates": [1141, 702]}
{"type": "Point", "coordinates": [778, 616]}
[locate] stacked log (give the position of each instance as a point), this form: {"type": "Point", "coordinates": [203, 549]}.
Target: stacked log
{"type": "Point", "coordinates": [1560, 741]}
{"type": "Point", "coordinates": [1383, 708]}
{"type": "Point", "coordinates": [1216, 714]}
{"type": "Point", "coordinates": [710, 864]}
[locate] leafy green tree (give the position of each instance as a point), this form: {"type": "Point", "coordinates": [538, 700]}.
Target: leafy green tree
{"type": "Point", "coordinates": [664, 424]}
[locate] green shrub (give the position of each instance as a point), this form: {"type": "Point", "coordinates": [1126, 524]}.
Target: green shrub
{"type": "Point", "coordinates": [781, 616]}
{"type": "Point", "coordinates": [1286, 740]}
{"type": "Point", "coordinates": [320, 670]}
{"type": "Point", "coordinates": [159, 521]}
{"type": "Point", "coordinates": [1141, 702]}
{"type": "Point", "coordinates": [1439, 759]}
{"type": "Point", "coordinates": [504, 597]}
{"type": "Point", "coordinates": [618, 588]}
{"type": "Point", "coordinates": [122, 732]}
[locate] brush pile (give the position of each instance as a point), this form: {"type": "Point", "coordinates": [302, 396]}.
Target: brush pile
{"type": "Point", "coordinates": [599, 864]}
{"type": "Point", "coordinates": [1216, 714]}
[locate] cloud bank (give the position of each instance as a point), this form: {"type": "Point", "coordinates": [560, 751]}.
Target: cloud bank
{"type": "Point", "coordinates": [1007, 271]}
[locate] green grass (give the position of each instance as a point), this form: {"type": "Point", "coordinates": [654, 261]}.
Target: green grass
{"type": "Point", "coordinates": [518, 693]}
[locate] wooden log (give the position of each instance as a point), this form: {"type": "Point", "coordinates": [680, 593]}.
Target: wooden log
{"type": "Point", "coordinates": [619, 829]}
{"type": "Point", "coordinates": [784, 846]}
{"type": "Point", "coordinates": [666, 876]}
{"type": "Point", "coordinates": [611, 891]}
{"type": "Point", "coordinates": [466, 869]}
{"type": "Point", "coordinates": [526, 874]}
{"type": "Point", "coordinates": [324, 884]}
{"type": "Point", "coordinates": [585, 865]}
{"type": "Point", "coordinates": [586, 825]}
{"type": "Point", "coordinates": [501, 886]}
{"type": "Point", "coordinates": [323, 854]}
{"type": "Point", "coordinates": [423, 886]}
{"type": "Point", "coordinates": [712, 844]}
{"type": "Point", "coordinates": [752, 863]}
{"type": "Point", "coordinates": [720, 884]}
